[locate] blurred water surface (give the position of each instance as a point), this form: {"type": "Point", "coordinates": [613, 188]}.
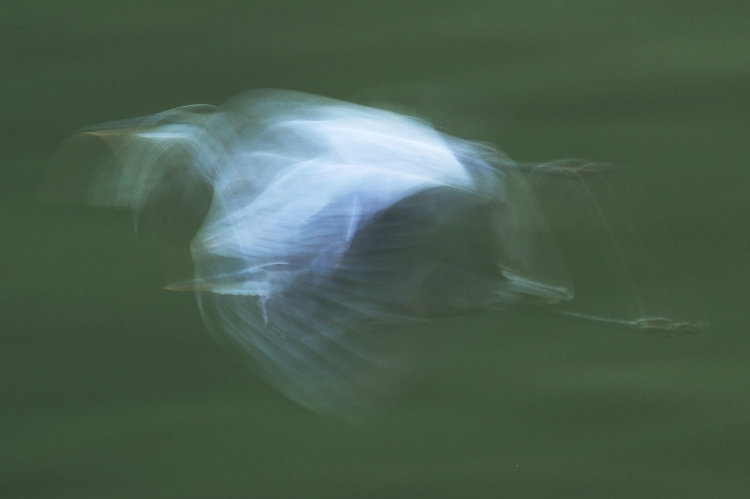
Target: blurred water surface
{"type": "Point", "coordinates": [112, 387]}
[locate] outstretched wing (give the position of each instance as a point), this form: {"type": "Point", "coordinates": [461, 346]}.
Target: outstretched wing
{"type": "Point", "coordinates": [317, 316]}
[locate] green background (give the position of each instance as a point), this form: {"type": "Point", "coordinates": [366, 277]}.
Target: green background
{"type": "Point", "coordinates": [110, 387]}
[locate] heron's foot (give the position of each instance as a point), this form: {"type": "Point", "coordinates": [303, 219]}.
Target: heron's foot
{"type": "Point", "coordinates": [571, 168]}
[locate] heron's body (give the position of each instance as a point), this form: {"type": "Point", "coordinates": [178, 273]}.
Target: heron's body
{"type": "Point", "coordinates": [320, 221]}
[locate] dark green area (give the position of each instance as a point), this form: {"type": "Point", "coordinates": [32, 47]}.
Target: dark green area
{"type": "Point", "coordinates": [111, 387]}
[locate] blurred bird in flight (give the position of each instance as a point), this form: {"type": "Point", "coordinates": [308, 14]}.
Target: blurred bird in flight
{"type": "Point", "coordinates": [315, 224]}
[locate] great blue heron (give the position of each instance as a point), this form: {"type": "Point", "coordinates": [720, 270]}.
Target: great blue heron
{"type": "Point", "coordinates": [314, 222]}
